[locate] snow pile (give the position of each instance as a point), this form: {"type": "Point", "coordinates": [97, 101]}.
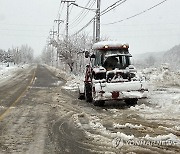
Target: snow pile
{"type": "Point", "coordinates": [95, 124]}
{"type": "Point", "coordinates": [162, 76]}
{"type": "Point", "coordinates": [72, 80]}
{"type": "Point", "coordinates": [170, 137]}
{"type": "Point", "coordinates": [177, 128]}
{"type": "Point", "coordinates": [173, 129]}
{"type": "Point", "coordinates": [74, 83]}
{"type": "Point", "coordinates": [6, 72]}
{"type": "Point", "coordinates": [104, 137]}
{"type": "Point", "coordinates": [127, 125]}
{"type": "Point", "coordinates": [176, 100]}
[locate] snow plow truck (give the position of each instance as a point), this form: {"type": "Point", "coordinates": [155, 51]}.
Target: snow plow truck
{"type": "Point", "coordinates": [109, 75]}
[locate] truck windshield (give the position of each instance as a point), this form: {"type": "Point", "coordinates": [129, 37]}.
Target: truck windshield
{"type": "Point", "coordinates": [112, 59]}
{"type": "Point", "coordinates": [116, 61]}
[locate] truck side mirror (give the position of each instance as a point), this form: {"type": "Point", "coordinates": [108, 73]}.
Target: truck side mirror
{"type": "Point", "coordinates": [86, 54]}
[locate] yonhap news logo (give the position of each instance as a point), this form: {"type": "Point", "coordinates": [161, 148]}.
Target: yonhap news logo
{"type": "Point", "coordinates": [119, 143]}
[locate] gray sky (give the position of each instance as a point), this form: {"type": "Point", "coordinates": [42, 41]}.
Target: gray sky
{"type": "Point", "coordinates": [29, 22]}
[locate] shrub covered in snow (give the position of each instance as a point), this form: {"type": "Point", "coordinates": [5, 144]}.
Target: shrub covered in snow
{"type": "Point", "coordinates": [163, 76]}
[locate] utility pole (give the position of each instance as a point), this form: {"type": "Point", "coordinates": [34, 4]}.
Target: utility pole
{"type": "Point", "coordinates": [52, 32]}
{"type": "Point", "coordinates": [94, 30]}
{"type": "Point", "coordinates": [59, 22]}
{"type": "Point", "coordinates": [98, 21]}
{"type": "Point", "coordinates": [67, 16]}
{"type": "Point", "coordinates": [57, 54]}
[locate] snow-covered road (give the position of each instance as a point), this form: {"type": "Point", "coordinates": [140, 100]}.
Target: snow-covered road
{"type": "Point", "coordinates": [50, 118]}
{"type": "Point", "coordinates": [152, 126]}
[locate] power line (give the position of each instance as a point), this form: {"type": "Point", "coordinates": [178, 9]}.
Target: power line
{"type": "Point", "coordinates": [84, 27]}
{"type": "Point", "coordinates": [102, 13]}
{"type": "Point", "coordinates": [60, 12]}
{"type": "Point", "coordinates": [136, 14]}
{"type": "Point", "coordinates": [111, 6]}
{"type": "Point", "coordinates": [72, 8]}
{"type": "Point", "coordinates": [81, 19]}
{"type": "Point", "coordinates": [114, 6]}
{"type": "Point", "coordinates": [82, 15]}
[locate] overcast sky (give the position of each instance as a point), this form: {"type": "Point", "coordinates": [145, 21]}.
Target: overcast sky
{"type": "Point", "coordinates": [29, 22]}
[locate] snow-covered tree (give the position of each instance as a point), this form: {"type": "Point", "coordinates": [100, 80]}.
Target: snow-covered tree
{"type": "Point", "coordinates": [26, 53]}
{"type": "Point", "coordinates": [23, 54]}
{"type": "Point", "coordinates": [48, 55]}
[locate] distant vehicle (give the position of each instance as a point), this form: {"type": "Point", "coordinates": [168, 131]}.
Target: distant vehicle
{"type": "Point", "coordinates": [110, 75]}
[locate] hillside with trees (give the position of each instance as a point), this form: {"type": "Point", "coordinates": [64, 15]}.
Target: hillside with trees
{"type": "Point", "coordinates": [171, 56]}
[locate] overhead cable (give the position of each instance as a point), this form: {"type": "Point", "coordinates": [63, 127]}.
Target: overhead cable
{"type": "Point", "coordinates": [82, 15]}
{"type": "Point", "coordinates": [137, 13]}
{"type": "Point", "coordinates": [113, 5]}
{"type": "Point", "coordinates": [84, 26]}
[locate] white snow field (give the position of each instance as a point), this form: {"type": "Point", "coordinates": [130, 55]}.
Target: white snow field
{"type": "Point", "coordinates": [7, 72]}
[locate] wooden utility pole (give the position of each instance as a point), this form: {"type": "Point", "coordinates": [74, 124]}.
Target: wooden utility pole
{"type": "Point", "coordinates": [67, 16]}
{"type": "Point", "coordinates": [98, 21]}
{"type": "Point", "coordinates": [59, 22]}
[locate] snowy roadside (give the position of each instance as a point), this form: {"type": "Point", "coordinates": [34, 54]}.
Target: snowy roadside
{"type": "Point", "coordinates": [162, 107]}
{"type": "Point", "coordinates": [7, 72]}
{"type": "Point", "coordinates": [72, 81]}
{"type": "Point", "coordinates": [158, 79]}
{"type": "Point", "coordinates": [164, 87]}
{"type": "Point", "coordinates": [162, 76]}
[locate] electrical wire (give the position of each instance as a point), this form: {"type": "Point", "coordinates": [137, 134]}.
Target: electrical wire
{"type": "Point", "coordinates": [82, 15]}
{"type": "Point", "coordinates": [130, 17]}
{"type": "Point", "coordinates": [84, 27]}
{"type": "Point", "coordinates": [111, 7]}
{"type": "Point", "coordinates": [58, 11]}
{"type": "Point", "coordinates": [72, 7]}
{"type": "Point", "coordinates": [60, 14]}
{"type": "Point", "coordinates": [114, 5]}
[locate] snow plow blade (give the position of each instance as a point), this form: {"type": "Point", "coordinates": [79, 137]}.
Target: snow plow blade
{"type": "Point", "coordinates": [120, 90]}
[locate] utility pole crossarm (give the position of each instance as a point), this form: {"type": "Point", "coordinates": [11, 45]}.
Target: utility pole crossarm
{"type": "Point", "coordinates": [52, 32]}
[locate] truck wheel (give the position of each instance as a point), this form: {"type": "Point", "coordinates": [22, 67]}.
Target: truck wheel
{"type": "Point", "coordinates": [99, 103]}
{"type": "Point", "coordinates": [88, 92]}
{"type": "Point", "coordinates": [131, 102]}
